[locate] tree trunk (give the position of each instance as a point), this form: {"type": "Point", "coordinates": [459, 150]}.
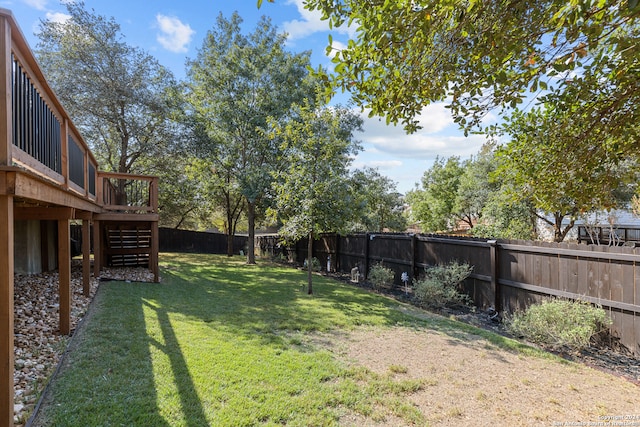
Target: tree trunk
{"type": "Point", "coordinates": [230, 229]}
{"type": "Point", "coordinates": [251, 216]}
{"type": "Point", "coordinates": [310, 264]}
{"type": "Point", "coordinates": [229, 244]}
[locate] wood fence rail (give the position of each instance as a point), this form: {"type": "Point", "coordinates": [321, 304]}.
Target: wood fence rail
{"type": "Point", "coordinates": [507, 275]}
{"type": "Point", "coordinates": [174, 240]}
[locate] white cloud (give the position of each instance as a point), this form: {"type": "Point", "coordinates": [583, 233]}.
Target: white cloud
{"type": "Point", "coordinates": [435, 118]}
{"type": "Point", "coordinates": [36, 4]}
{"type": "Point", "coordinates": [336, 47]}
{"type": "Point", "coordinates": [434, 139]}
{"type": "Point", "coordinates": [309, 23]}
{"type": "Point", "coordinates": [174, 35]}
{"type": "Point", "coordinates": [58, 17]}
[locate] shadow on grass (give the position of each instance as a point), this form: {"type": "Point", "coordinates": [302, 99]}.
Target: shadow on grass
{"type": "Point", "coordinates": [107, 375]}
{"type": "Point", "coordinates": [130, 360]}
{"type": "Point", "coordinates": [189, 399]}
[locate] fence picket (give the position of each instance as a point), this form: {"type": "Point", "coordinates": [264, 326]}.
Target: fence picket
{"type": "Point", "coordinates": [518, 274]}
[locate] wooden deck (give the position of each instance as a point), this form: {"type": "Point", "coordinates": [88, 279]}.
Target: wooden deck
{"type": "Point", "coordinates": [48, 173]}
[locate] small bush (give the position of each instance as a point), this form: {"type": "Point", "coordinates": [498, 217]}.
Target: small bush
{"type": "Point", "coordinates": [559, 323]}
{"type": "Point", "coordinates": [315, 264]}
{"type": "Point", "coordinates": [380, 276]}
{"type": "Point", "coordinates": [439, 286]}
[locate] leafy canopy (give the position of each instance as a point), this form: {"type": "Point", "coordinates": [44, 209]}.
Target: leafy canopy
{"type": "Point", "coordinates": [433, 205]}
{"type": "Point", "coordinates": [563, 171]}
{"type": "Point", "coordinates": [237, 82]}
{"type": "Point", "coordinates": [313, 193]}
{"type": "Point", "coordinates": [379, 205]}
{"type": "Point", "coordinates": [480, 55]}
{"type": "Point", "coordinates": [119, 96]}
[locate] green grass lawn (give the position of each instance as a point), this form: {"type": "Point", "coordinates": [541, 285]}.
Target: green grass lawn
{"type": "Point", "coordinates": [221, 343]}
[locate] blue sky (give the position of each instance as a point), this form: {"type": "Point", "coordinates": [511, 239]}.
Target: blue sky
{"type": "Point", "coordinates": [172, 31]}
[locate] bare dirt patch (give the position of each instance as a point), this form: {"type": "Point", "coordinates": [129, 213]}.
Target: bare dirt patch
{"type": "Point", "coordinates": [471, 382]}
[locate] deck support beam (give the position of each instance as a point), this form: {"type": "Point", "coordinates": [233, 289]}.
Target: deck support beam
{"type": "Point", "coordinates": [97, 248]}
{"type": "Point", "coordinates": [86, 260]}
{"type": "Point", "coordinates": [6, 230]}
{"type": "Point", "coordinates": [86, 218]}
{"type": "Point", "coordinates": [6, 311]}
{"type": "Point", "coordinates": [64, 275]}
{"type": "Point", "coordinates": [153, 256]}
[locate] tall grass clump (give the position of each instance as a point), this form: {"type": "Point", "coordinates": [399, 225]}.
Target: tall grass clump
{"type": "Point", "coordinates": [438, 287]}
{"type": "Point", "coordinates": [557, 323]}
{"type": "Point", "coordinates": [380, 276]}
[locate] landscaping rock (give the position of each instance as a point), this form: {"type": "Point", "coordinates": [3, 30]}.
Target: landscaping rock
{"type": "Point", "coordinates": [38, 343]}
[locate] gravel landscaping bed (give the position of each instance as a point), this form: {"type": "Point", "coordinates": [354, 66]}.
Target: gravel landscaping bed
{"type": "Point", "coordinates": [38, 342]}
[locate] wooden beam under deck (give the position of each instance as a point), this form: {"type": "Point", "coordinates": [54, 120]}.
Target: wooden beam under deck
{"type": "Point", "coordinates": [24, 184]}
{"type": "Point", "coordinates": [64, 275]}
{"type": "Point", "coordinates": [127, 217]}
{"type": "Point", "coordinates": [86, 261]}
{"type": "Point", "coordinates": [6, 311]}
{"type": "Point", "coordinates": [43, 213]}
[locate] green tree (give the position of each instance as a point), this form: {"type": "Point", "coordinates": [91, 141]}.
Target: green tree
{"type": "Point", "coordinates": [504, 217]}
{"type": "Point", "coordinates": [379, 205]}
{"type": "Point", "coordinates": [236, 83]}
{"type": "Point", "coordinates": [475, 186]}
{"type": "Point", "coordinates": [578, 58]}
{"type": "Point", "coordinates": [312, 194]}
{"type": "Point", "coordinates": [179, 197]}
{"type": "Point", "coordinates": [120, 97]}
{"type": "Point", "coordinates": [223, 202]}
{"type": "Point", "coordinates": [563, 182]}
{"type": "Point", "coordinates": [479, 55]}
{"type": "Point", "coordinates": [434, 204]}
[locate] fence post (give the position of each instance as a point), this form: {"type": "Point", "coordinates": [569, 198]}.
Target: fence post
{"type": "Point", "coordinates": [414, 245]}
{"type": "Point", "coordinates": [336, 261]}
{"type": "Point", "coordinates": [365, 273]}
{"type": "Point", "coordinates": [495, 286]}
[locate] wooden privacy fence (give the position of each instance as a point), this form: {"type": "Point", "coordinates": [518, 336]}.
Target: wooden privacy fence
{"type": "Point", "coordinates": [174, 240]}
{"type": "Point", "coordinates": [507, 275]}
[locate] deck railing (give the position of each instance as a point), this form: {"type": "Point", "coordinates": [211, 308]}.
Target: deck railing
{"type": "Point", "coordinates": [41, 138]}
{"type": "Point", "coordinates": [128, 193]}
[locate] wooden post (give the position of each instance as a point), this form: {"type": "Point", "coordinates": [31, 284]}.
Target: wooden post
{"type": "Point", "coordinates": [64, 275]}
{"type": "Point", "coordinates": [153, 256]}
{"type": "Point", "coordinates": [6, 232]}
{"type": "Point", "coordinates": [365, 273]}
{"type": "Point", "coordinates": [86, 261]}
{"type": "Point", "coordinates": [495, 286]}
{"type": "Point", "coordinates": [6, 107]}
{"type": "Point", "coordinates": [6, 311]}
{"type": "Point", "coordinates": [414, 250]}
{"type": "Point", "coordinates": [64, 143]}
{"type": "Point", "coordinates": [97, 248]}
{"type": "Point", "coordinates": [336, 262]}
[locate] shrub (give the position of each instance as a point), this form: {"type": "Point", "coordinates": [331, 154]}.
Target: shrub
{"type": "Point", "coordinates": [380, 276]}
{"type": "Point", "coordinates": [315, 264]}
{"type": "Point", "coordinates": [559, 323]}
{"type": "Point", "coordinates": [439, 286]}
